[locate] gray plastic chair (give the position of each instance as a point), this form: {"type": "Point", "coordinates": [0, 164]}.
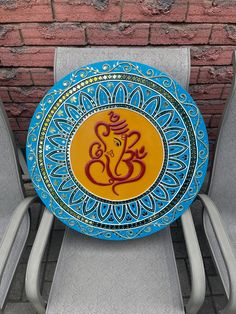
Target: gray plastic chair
{"type": "Point", "coordinates": [14, 217]}
{"type": "Point", "coordinates": [220, 213]}
{"type": "Point", "coordinates": [138, 276]}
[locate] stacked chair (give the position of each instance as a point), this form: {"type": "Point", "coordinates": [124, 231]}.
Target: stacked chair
{"type": "Point", "coordinates": [219, 215]}
{"type": "Point", "coordinates": [138, 276]}
{"type": "Point", "coordinates": [14, 215]}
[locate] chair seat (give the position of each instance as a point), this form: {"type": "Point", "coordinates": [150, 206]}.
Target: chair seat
{"type": "Point", "coordinates": [136, 276]}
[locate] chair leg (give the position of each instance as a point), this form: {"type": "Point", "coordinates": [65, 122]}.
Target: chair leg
{"type": "Point", "coordinates": [32, 279]}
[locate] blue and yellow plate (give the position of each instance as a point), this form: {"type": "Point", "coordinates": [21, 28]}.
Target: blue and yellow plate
{"type": "Point", "coordinates": [117, 150]}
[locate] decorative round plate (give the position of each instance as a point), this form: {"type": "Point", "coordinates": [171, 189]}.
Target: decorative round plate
{"type": "Point", "coordinates": [117, 150]}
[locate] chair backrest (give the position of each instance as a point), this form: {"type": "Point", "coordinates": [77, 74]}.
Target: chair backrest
{"type": "Point", "coordinates": [11, 187]}
{"type": "Point", "coordinates": [223, 179]}
{"type": "Point", "coordinates": [174, 61]}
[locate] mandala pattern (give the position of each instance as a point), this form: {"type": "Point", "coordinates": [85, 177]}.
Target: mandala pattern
{"type": "Point", "coordinates": [117, 150]}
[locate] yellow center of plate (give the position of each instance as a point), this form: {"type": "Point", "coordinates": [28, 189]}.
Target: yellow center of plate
{"type": "Point", "coordinates": [116, 154]}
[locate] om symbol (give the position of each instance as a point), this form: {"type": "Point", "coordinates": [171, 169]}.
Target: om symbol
{"type": "Point", "coordinates": [115, 154]}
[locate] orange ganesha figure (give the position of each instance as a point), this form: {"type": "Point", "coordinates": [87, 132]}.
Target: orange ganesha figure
{"type": "Point", "coordinates": [116, 157]}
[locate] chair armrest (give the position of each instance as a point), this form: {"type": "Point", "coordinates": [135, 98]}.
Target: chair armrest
{"type": "Point", "coordinates": [225, 248]}
{"type": "Point", "coordinates": [198, 279]}
{"type": "Point", "coordinates": [10, 234]}
{"type": "Point", "coordinates": [32, 279]}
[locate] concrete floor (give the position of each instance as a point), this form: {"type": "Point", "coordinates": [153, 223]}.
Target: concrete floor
{"type": "Point", "coordinates": [215, 297]}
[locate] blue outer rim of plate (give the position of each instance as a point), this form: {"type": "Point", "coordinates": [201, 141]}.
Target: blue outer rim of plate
{"type": "Point", "coordinates": [170, 87]}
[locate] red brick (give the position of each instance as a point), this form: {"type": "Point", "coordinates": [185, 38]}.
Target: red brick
{"type": "Point", "coordinates": [215, 74]}
{"type": "Point", "coordinates": [12, 110]}
{"type": "Point", "coordinates": [118, 34]}
{"type": "Point", "coordinates": [226, 91]}
{"type": "Point", "coordinates": [211, 146]}
{"type": "Point", "coordinates": [212, 11]}
{"type": "Point", "coordinates": [211, 106]}
{"type": "Point", "coordinates": [215, 120]}
{"type": "Point", "coordinates": [42, 76]}
{"type": "Point", "coordinates": [20, 137]}
{"type": "Point", "coordinates": [207, 118]}
{"type": "Point", "coordinates": [27, 94]}
{"type": "Point", "coordinates": [207, 55]}
{"type": "Point", "coordinates": [194, 75]}
{"type": "Point", "coordinates": [25, 11]}
{"type": "Point", "coordinates": [53, 34]}
{"type": "Point", "coordinates": [27, 56]}
{"type": "Point", "coordinates": [212, 133]}
{"type": "Point", "coordinates": [4, 95]}
{"type": "Point", "coordinates": [223, 35]}
{"type": "Point", "coordinates": [154, 11]}
{"type": "Point", "coordinates": [20, 109]}
{"type": "Point", "coordinates": [206, 91]}
{"type": "Point", "coordinates": [183, 34]}
{"type": "Point", "coordinates": [23, 123]}
{"type": "Point", "coordinates": [13, 123]}
{"type": "Point", "coordinates": [15, 77]}
{"type": "Point", "coordinates": [87, 10]}
{"type": "Point", "coordinates": [211, 157]}
{"type": "Point", "coordinates": [9, 36]}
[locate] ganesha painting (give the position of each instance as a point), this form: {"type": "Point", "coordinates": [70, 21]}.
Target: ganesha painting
{"type": "Point", "coordinates": [117, 150]}
{"type": "Point", "coordinates": [116, 154]}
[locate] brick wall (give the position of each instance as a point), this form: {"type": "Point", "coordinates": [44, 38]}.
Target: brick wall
{"type": "Point", "coordinates": [30, 30]}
